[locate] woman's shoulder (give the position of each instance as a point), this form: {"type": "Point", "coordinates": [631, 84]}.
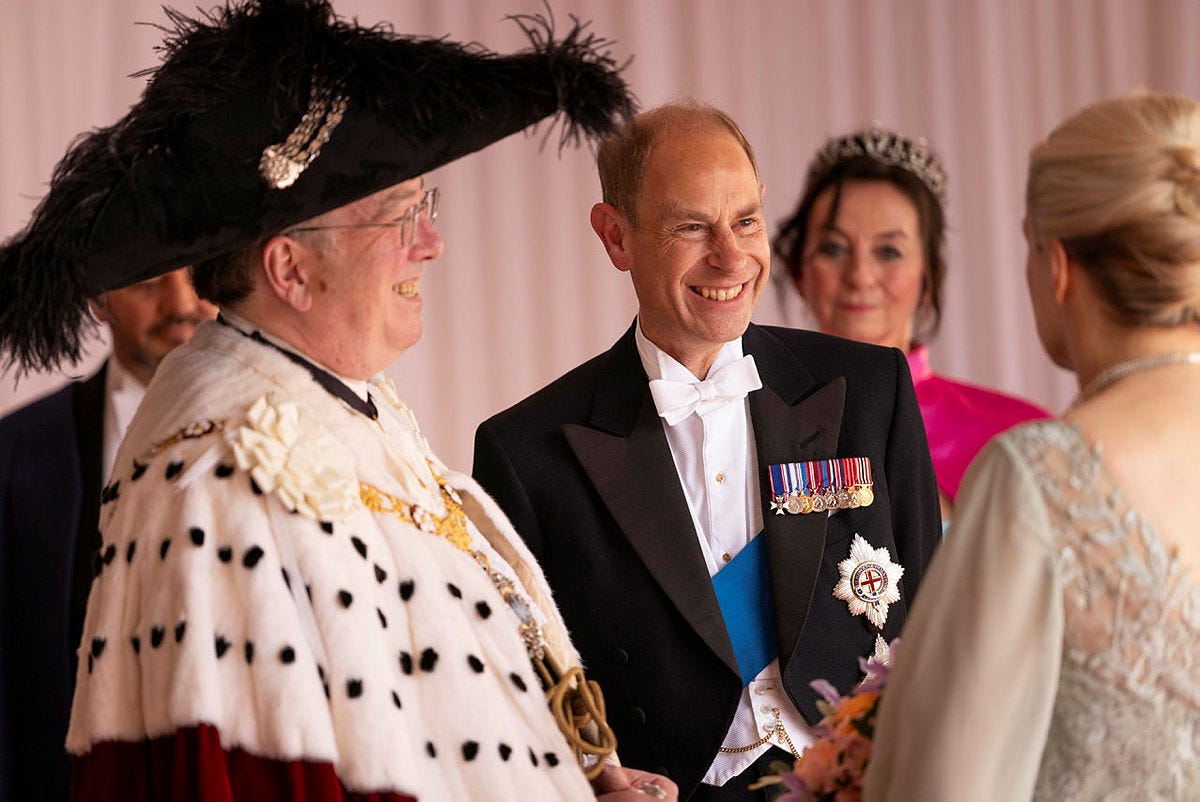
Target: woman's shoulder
{"type": "Point", "coordinates": [979, 400]}
{"type": "Point", "coordinates": [961, 418]}
{"type": "Point", "coordinates": [1030, 443]}
{"type": "Point", "coordinates": [1044, 453]}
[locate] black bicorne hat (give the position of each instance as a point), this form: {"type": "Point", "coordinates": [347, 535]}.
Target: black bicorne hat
{"type": "Point", "coordinates": [263, 114]}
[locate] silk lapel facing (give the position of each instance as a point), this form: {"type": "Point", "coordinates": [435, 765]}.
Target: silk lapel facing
{"type": "Point", "coordinates": [625, 454]}
{"type": "Point", "coordinates": [793, 422]}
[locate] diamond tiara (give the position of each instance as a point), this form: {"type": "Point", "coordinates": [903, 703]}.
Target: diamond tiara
{"type": "Point", "coordinates": [885, 147]}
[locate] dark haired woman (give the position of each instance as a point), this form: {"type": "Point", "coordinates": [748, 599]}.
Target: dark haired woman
{"type": "Point", "coordinates": [864, 248]}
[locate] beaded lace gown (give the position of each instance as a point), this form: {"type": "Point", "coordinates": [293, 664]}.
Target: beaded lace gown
{"type": "Point", "coordinates": [1054, 650]}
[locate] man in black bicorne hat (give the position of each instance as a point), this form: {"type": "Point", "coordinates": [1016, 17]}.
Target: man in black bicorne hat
{"type": "Point", "coordinates": [294, 597]}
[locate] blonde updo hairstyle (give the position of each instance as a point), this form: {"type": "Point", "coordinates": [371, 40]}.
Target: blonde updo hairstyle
{"type": "Point", "coordinates": [1118, 184]}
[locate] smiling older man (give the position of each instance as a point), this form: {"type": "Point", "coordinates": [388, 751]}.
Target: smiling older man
{"type": "Point", "coordinates": [295, 598]}
{"type": "Point", "coordinates": [693, 492]}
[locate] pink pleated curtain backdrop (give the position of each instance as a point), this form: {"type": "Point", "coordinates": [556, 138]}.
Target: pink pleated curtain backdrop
{"type": "Point", "coordinates": [524, 291]}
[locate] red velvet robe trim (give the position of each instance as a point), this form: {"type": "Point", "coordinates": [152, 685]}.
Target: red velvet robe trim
{"type": "Point", "coordinates": [190, 765]}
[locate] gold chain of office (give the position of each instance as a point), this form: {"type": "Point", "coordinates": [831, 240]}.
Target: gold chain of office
{"type": "Point", "coordinates": [576, 702]}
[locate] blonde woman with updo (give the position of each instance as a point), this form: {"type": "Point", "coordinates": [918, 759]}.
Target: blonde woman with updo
{"type": "Point", "coordinates": [1054, 650]}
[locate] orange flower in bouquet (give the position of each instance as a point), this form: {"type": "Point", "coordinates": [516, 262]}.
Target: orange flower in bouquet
{"type": "Point", "coordinates": [831, 769]}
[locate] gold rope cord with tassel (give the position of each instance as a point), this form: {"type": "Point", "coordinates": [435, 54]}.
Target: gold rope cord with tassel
{"type": "Point", "coordinates": [576, 702]}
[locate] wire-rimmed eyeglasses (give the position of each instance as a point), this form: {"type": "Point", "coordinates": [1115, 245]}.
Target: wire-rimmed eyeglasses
{"type": "Point", "coordinates": [406, 223]}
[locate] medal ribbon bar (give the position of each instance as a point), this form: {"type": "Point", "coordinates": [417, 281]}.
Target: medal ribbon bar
{"type": "Point", "coordinates": [798, 488]}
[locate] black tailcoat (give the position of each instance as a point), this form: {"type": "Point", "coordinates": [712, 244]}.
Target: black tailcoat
{"type": "Point", "coordinates": [584, 471]}
{"type": "Point", "coordinates": [50, 464]}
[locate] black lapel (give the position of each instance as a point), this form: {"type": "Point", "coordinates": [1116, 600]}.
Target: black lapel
{"type": "Point", "coordinates": [625, 454]}
{"type": "Point", "coordinates": [88, 403]}
{"type": "Point", "coordinates": [793, 422]}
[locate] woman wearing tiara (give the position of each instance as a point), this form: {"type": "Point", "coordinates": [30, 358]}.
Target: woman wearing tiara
{"type": "Point", "coordinates": [1054, 651]}
{"type": "Point", "coordinates": [864, 248]}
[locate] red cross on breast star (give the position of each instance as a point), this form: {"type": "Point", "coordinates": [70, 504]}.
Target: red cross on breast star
{"type": "Point", "coordinates": [870, 581]}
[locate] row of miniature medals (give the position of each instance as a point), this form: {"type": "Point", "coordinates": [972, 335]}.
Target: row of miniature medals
{"type": "Point", "coordinates": [798, 488]}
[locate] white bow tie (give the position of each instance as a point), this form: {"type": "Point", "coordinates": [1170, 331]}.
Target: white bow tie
{"type": "Point", "coordinates": [676, 400]}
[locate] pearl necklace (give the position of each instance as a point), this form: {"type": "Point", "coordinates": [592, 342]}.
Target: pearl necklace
{"type": "Point", "coordinates": [1110, 376]}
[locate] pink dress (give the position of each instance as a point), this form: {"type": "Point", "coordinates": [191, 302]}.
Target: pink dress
{"type": "Point", "coordinates": [960, 418]}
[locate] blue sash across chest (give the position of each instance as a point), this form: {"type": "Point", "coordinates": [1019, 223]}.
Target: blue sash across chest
{"type": "Point", "coordinates": [743, 589]}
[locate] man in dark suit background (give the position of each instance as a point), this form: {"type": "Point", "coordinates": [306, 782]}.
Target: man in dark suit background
{"type": "Point", "coordinates": [54, 456]}
{"type": "Point", "coordinates": [702, 605]}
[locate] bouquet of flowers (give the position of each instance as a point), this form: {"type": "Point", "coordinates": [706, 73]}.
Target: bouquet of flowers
{"type": "Point", "coordinates": [832, 768]}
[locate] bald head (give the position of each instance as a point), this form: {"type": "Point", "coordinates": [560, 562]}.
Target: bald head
{"type": "Point", "coordinates": [623, 157]}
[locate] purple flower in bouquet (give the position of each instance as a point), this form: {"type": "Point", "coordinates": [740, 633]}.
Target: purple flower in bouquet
{"type": "Point", "coordinates": [876, 667]}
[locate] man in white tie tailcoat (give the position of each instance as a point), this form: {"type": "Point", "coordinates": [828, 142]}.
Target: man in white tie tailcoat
{"type": "Point", "coordinates": [694, 493]}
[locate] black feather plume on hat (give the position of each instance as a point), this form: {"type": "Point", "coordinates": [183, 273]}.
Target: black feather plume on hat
{"type": "Point", "coordinates": [176, 180]}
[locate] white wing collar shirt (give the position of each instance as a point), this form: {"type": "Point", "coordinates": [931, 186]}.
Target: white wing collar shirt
{"type": "Point", "coordinates": [712, 443]}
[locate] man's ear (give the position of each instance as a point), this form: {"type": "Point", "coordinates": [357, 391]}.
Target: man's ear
{"type": "Point", "coordinates": [287, 268]}
{"type": "Point", "coordinates": [98, 308]}
{"type": "Point", "coordinates": [612, 229]}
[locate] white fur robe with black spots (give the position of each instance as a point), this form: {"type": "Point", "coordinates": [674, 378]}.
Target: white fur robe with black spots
{"type": "Point", "coordinates": [243, 584]}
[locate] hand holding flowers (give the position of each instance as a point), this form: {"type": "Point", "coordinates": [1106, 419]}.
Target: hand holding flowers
{"type": "Point", "coordinates": [831, 769]}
